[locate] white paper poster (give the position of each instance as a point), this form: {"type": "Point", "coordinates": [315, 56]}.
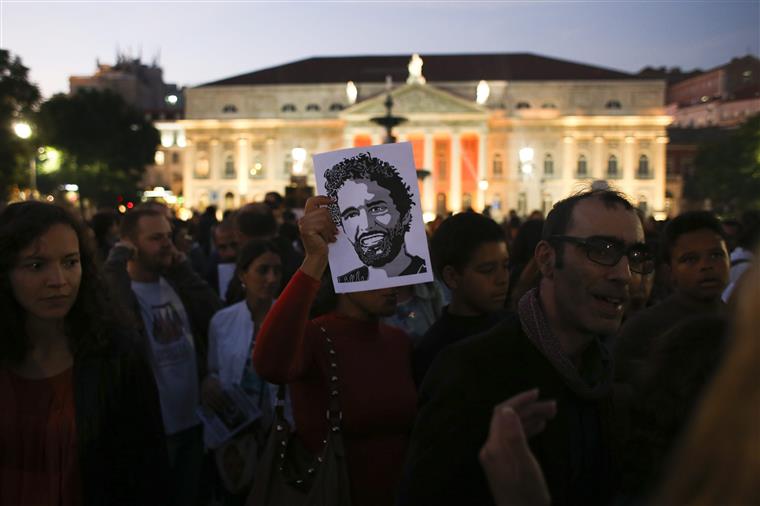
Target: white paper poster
{"type": "Point", "coordinates": [381, 240]}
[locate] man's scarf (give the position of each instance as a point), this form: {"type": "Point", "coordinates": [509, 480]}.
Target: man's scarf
{"type": "Point", "coordinates": [594, 381]}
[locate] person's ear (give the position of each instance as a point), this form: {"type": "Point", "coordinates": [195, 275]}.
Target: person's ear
{"type": "Point", "coordinates": [546, 257]}
{"type": "Point", "coordinates": [450, 277]}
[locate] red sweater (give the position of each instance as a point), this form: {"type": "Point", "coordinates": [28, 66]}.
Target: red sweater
{"type": "Point", "coordinates": [377, 394]}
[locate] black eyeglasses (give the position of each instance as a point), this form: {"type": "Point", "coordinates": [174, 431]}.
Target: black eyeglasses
{"type": "Point", "coordinates": [607, 251]}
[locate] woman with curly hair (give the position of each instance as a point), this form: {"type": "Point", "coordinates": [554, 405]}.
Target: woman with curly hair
{"type": "Point", "coordinates": [81, 420]}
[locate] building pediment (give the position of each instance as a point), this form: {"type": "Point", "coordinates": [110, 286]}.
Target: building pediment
{"type": "Point", "coordinates": [415, 99]}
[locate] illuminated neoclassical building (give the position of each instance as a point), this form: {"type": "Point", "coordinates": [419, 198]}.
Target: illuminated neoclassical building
{"type": "Point", "coordinates": [510, 131]}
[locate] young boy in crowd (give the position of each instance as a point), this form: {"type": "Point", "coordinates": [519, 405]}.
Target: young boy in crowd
{"type": "Point", "coordinates": [694, 249]}
{"type": "Point", "coordinates": [470, 256]}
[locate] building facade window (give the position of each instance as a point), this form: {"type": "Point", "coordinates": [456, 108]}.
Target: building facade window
{"type": "Point", "coordinates": [440, 204]}
{"type": "Point", "coordinates": [202, 168]}
{"type": "Point", "coordinates": [581, 169]}
{"type": "Point", "coordinates": [175, 158]}
{"type": "Point", "coordinates": [287, 164]}
{"type": "Point", "coordinates": [497, 171]}
{"type": "Point", "coordinates": [522, 105]}
{"type": "Point", "coordinates": [613, 104]}
{"type": "Point", "coordinates": [612, 167]}
{"type": "Point", "coordinates": [466, 201]}
{"type": "Point", "coordinates": [643, 171]}
{"type": "Point", "coordinates": [229, 166]}
{"type": "Point", "coordinates": [288, 108]}
{"type": "Point", "coordinates": [643, 206]}
{"type": "Point", "coordinates": [229, 200]}
{"type": "Point", "coordinates": [313, 108]}
{"type": "Point", "coordinates": [442, 160]}
{"type": "Point", "coordinates": [336, 107]}
{"type": "Point", "coordinates": [522, 204]}
{"type": "Point", "coordinates": [548, 105]}
{"type": "Point", "coordinates": [548, 165]}
{"type": "Point", "coordinates": [229, 108]}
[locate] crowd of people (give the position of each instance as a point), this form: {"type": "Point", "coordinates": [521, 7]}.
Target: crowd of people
{"type": "Point", "coordinates": [593, 356]}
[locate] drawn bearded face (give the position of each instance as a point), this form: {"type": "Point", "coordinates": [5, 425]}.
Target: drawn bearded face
{"type": "Point", "coordinates": [371, 221]}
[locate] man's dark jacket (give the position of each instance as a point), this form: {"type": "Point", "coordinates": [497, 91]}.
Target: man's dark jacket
{"type": "Point", "coordinates": [197, 297]}
{"type": "Point", "coordinates": [456, 403]}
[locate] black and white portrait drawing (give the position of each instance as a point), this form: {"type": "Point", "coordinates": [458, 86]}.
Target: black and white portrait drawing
{"type": "Point", "coordinates": [382, 240]}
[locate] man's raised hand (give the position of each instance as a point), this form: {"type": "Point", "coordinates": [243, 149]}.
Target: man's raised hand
{"type": "Point", "coordinates": [317, 231]}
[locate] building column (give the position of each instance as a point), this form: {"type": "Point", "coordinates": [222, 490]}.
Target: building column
{"type": "Point", "coordinates": [272, 174]}
{"type": "Point", "coordinates": [629, 166]}
{"type": "Point", "coordinates": [455, 188]}
{"type": "Point", "coordinates": [658, 166]}
{"type": "Point", "coordinates": [597, 162]}
{"type": "Point", "coordinates": [188, 175]}
{"type": "Point", "coordinates": [481, 202]}
{"type": "Point", "coordinates": [428, 205]}
{"type": "Point", "coordinates": [569, 160]}
{"type": "Point", "coordinates": [243, 166]}
{"type": "Point", "coordinates": [215, 162]}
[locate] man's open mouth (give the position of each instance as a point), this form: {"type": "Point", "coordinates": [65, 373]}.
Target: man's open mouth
{"type": "Point", "coordinates": [371, 240]}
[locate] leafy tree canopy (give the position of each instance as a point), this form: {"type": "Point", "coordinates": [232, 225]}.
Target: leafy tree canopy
{"type": "Point", "coordinates": [728, 171]}
{"type": "Point", "coordinates": [18, 97]}
{"type": "Point", "coordinates": [105, 142]}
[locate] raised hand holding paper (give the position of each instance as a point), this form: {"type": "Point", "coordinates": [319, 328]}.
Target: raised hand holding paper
{"type": "Point", "coordinates": [381, 241]}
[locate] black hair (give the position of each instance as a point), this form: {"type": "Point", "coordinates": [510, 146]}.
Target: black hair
{"type": "Point", "coordinates": [256, 220]}
{"type": "Point", "coordinates": [559, 218]}
{"type": "Point", "coordinates": [524, 245]}
{"type": "Point", "coordinates": [365, 166]}
{"type": "Point", "coordinates": [131, 220]}
{"type": "Point", "coordinates": [102, 221]}
{"type": "Point", "coordinates": [685, 223]}
{"type": "Point", "coordinates": [456, 239]}
{"type": "Point", "coordinates": [90, 318]}
{"type": "Point", "coordinates": [254, 249]}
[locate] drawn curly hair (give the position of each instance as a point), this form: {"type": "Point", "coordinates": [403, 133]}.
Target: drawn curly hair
{"type": "Point", "coordinates": [366, 166]}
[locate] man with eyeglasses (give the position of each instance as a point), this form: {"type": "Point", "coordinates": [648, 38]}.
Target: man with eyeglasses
{"type": "Point", "coordinates": [551, 351]}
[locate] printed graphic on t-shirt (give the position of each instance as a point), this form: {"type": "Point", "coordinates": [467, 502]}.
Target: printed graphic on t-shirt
{"type": "Point", "coordinates": [169, 332]}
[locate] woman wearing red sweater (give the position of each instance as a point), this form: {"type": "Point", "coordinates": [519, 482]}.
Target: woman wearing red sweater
{"type": "Point", "coordinates": [377, 394]}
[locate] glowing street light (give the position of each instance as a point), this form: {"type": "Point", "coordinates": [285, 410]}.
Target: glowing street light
{"type": "Point", "coordinates": [22, 129]}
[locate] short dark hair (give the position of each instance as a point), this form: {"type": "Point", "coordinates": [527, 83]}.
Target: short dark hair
{"type": "Point", "coordinates": [131, 220]}
{"type": "Point", "coordinates": [559, 218]}
{"type": "Point", "coordinates": [366, 166]}
{"type": "Point", "coordinates": [90, 320]}
{"type": "Point", "coordinates": [685, 223]}
{"type": "Point", "coordinates": [457, 237]}
{"type": "Point", "coordinates": [254, 249]}
{"type": "Point", "coordinates": [256, 220]}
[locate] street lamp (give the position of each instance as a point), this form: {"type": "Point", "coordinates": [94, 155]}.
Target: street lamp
{"type": "Point", "coordinates": [23, 130]}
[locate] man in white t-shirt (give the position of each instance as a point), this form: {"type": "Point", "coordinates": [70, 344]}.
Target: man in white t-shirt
{"type": "Point", "coordinates": [172, 307]}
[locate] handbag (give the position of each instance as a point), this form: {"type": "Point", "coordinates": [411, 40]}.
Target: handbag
{"type": "Point", "coordinates": [288, 473]}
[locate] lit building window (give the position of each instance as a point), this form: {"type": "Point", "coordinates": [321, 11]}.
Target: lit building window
{"type": "Point", "coordinates": [582, 167]}
{"type": "Point", "coordinates": [613, 104]}
{"type": "Point", "coordinates": [229, 166]}
{"type": "Point", "coordinates": [612, 167]}
{"type": "Point", "coordinates": [229, 200]}
{"type": "Point", "coordinates": [643, 171]}
{"type": "Point", "coordinates": [548, 165]}
{"type": "Point", "coordinates": [498, 166]}
{"type": "Point", "coordinates": [440, 204]}
{"type": "Point", "coordinates": [160, 158]}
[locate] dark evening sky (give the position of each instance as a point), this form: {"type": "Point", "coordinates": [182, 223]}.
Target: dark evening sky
{"type": "Point", "coordinates": [204, 41]}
